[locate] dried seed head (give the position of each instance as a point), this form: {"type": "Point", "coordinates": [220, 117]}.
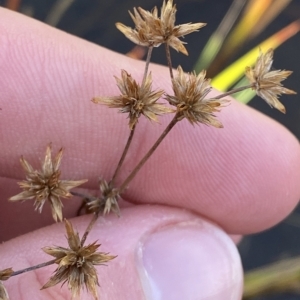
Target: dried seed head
{"type": "Point", "coordinates": [267, 84]}
{"type": "Point", "coordinates": [76, 264]}
{"type": "Point", "coordinates": [142, 34]}
{"type": "Point", "coordinates": [45, 184]}
{"type": "Point", "coordinates": [190, 91]}
{"type": "Point", "coordinates": [4, 275]}
{"type": "Point", "coordinates": [135, 99]}
{"type": "Point", "coordinates": [151, 30]}
{"type": "Point", "coordinates": [107, 202]}
{"type": "Point", "coordinates": [3, 292]}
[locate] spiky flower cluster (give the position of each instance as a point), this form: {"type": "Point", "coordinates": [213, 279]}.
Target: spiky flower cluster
{"type": "Point", "coordinates": [191, 101]}
{"type": "Point", "coordinates": [46, 184]}
{"type": "Point", "coordinates": [152, 30]}
{"type": "Point", "coordinates": [76, 264]}
{"type": "Point", "coordinates": [135, 99]}
{"type": "Point", "coordinates": [107, 202]}
{"type": "Point", "coordinates": [266, 83]}
{"type": "Point", "coordinates": [4, 275]}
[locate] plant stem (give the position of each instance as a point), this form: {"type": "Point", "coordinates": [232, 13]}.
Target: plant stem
{"type": "Point", "coordinates": [147, 155]}
{"type": "Point", "coordinates": [88, 197]}
{"type": "Point", "coordinates": [169, 60]}
{"type": "Point", "coordinates": [147, 64]}
{"type": "Point", "coordinates": [150, 49]}
{"type": "Point", "coordinates": [85, 199]}
{"type": "Point", "coordinates": [123, 155]}
{"type": "Point", "coordinates": [48, 263]}
{"type": "Point", "coordinates": [235, 91]}
{"type": "Point", "coordinates": [89, 228]}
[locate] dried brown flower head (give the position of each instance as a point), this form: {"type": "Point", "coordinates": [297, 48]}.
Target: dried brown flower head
{"type": "Point", "coordinates": [151, 30]}
{"type": "Point", "coordinates": [4, 275]}
{"type": "Point", "coordinates": [135, 99]}
{"type": "Point", "coordinates": [3, 292]}
{"type": "Point", "coordinates": [190, 91]}
{"type": "Point", "coordinates": [76, 264]}
{"type": "Point", "coordinates": [45, 184]}
{"type": "Point", "coordinates": [107, 202]}
{"type": "Point", "coordinates": [267, 84]}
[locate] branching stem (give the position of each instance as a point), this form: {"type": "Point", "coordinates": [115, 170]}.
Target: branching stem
{"type": "Point", "coordinates": [242, 88]}
{"type": "Point", "coordinates": [120, 163]}
{"type": "Point", "coordinates": [147, 155]}
{"type": "Point", "coordinates": [42, 265]}
{"type": "Point", "coordinates": [147, 64]}
{"type": "Point", "coordinates": [129, 140]}
{"type": "Point", "coordinates": [84, 196]}
{"type": "Point", "coordinates": [89, 228]}
{"type": "Point", "coordinates": [169, 61]}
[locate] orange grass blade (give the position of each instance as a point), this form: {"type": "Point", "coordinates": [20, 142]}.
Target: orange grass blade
{"type": "Point", "coordinates": [13, 4]}
{"type": "Point", "coordinates": [271, 13]}
{"type": "Point", "coordinates": [137, 52]}
{"type": "Point", "coordinates": [252, 14]}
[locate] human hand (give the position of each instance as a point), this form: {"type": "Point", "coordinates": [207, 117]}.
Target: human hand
{"type": "Point", "coordinates": [206, 183]}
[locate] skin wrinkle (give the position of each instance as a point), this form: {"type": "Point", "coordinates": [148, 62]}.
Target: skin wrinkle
{"type": "Point", "coordinates": [34, 292]}
{"type": "Point", "coordinates": [4, 40]}
{"type": "Point", "coordinates": [36, 278]}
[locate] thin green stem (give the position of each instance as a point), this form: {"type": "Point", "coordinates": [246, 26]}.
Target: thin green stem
{"type": "Point", "coordinates": [235, 91]}
{"type": "Point", "coordinates": [48, 263]}
{"type": "Point", "coordinates": [169, 61]}
{"type": "Point", "coordinates": [147, 155]}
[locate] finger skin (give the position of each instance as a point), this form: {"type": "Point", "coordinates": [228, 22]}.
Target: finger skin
{"type": "Point", "coordinates": [122, 278]}
{"type": "Point", "coordinates": [244, 177]}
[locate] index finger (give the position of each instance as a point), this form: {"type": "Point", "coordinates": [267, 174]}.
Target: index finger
{"type": "Point", "coordinates": [244, 177]}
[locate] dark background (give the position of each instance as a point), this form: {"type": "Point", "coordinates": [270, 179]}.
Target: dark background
{"type": "Point", "coordinates": [94, 20]}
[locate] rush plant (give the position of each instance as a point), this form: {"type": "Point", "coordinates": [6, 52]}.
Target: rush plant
{"type": "Point", "coordinates": [190, 101]}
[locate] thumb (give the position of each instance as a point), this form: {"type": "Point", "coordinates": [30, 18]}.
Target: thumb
{"type": "Point", "coordinates": [163, 253]}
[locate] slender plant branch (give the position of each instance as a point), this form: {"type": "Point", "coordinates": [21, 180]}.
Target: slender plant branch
{"type": "Point", "coordinates": [48, 263]}
{"type": "Point", "coordinates": [88, 197]}
{"type": "Point", "coordinates": [150, 48]}
{"type": "Point", "coordinates": [242, 88]}
{"type": "Point", "coordinates": [169, 61]}
{"type": "Point", "coordinates": [81, 207]}
{"type": "Point", "coordinates": [84, 197]}
{"type": "Point", "coordinates": [147, 155]}
{"type": "Point", "coordinates": [89, 228]}
{"type": "Point", "coordinates": [120, 163]}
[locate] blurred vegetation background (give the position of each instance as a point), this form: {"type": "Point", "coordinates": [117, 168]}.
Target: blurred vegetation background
{"type": "Point", "coordinates": [248, 24]}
